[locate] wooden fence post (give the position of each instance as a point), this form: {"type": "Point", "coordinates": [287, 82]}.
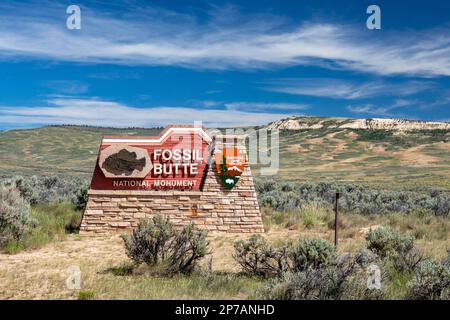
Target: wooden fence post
{"type": "Point", "coordinates": [336, 218]}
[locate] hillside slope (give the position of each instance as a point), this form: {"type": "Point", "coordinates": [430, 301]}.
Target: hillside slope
{"type": "Point", "coordinates": [70, 150]}
{"type": "Point", "coordinates": [328, 149]}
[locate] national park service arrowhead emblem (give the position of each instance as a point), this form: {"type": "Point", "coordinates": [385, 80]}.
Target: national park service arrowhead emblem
{"type": "Point", "coordinates": [229, 165]}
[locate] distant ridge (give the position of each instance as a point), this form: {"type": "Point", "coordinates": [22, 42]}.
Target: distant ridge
{"type": "Point", "coordinates": [301, 123]}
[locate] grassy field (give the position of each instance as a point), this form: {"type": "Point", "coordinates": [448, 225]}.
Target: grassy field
{"type": "Point", "coordinates": [67, 150]}
{"type": "Point", "coordinates": [41, 271]}
{"type": "Point", "coordinates": [372, 157]}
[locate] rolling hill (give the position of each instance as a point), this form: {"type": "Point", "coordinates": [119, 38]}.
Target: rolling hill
{"type": "Point", "coordinates": [390, 153]}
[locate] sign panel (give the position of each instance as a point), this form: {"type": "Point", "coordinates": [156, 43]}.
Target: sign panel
{"type": "Point", "coordinates": [175, 160]}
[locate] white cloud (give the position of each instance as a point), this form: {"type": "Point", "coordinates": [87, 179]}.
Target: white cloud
{"type": "Point", "coordinates": [227, 40]}
{"type": "Point", "coordinates": [67, 86]}
{"type": "Point", "coordinates": [370, 109]}
{"type": "Point", "coordinates": [438, 102]}
{"type": "Point", "coordinates": [345, 89]}
{"type": "Point", "coordinates": [206, 103]}
{"type": "Point", "coordinates": [381, 110]}
{"type": "Point", "coordinates": [399, 103]}
{"type": "Point", "coordinates": [265, 106]}
{"type": "Point", "coordinates": [107, 113]}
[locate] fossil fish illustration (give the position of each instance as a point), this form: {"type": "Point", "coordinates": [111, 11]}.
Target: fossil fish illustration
{"type": "Point", "coordinates": [123, 162]}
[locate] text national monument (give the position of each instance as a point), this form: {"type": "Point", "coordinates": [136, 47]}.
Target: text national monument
{"type": "Point", "coordinates": [183, 174]}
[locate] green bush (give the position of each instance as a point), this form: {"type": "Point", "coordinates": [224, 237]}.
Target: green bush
{"type": "Point", "coordinates": [389, 244]}
{"type": "Point", "coordinates": [386, 242]}
{"type": "Point", "coordinates": [431, 282]}
{"type": "Point", "coordinates": [312, 253]}
{"type": "Point", "coordinates": [373, 135]}
{"type": "Point", "coordinates": [81, 197]}
{"type": "Point", "coordinates": [258, 257]}
{"type": "Point", "coordinates": [187, 248]}
{"type": "Point", "coordinates": [157, 243]}
{"type": "Point", "coordinates": [150, 241]}
{"type": "Point", "coordinates": [251, 254]}
{"type": "Point", "coordinates": [15, 218]}
{"type": "Point", "coordinates": [343, 279]}
{"type": "Point", "coordinates": [47, 189]}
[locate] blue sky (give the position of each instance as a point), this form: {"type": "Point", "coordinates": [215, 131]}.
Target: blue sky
{"type": "Point", "coordinates": [225, 63]}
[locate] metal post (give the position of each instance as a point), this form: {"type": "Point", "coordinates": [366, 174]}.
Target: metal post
{"type": "Point", "coordinates": [336, 218]}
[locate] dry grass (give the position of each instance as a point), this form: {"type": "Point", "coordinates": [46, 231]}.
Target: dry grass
{"type": "Point", "coordinates": [42, 273]}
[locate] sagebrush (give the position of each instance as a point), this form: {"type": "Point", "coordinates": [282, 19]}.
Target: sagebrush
{"type": "Point", "coordinates": [47, 189]}
{"type": "Point", "coordinates": [355, 198]}
{"type": "Point", "coordinates": [15, 218]}
{"type": "Point", "coordinates": [341, 277]}
{"type": "Point", "coordinates": [156, 242]}
{"type": "Point", "coordinates": [431, 281]}
{"type": "Point", "coordinates": [257, 256]}
{"type": "Point", "coordinates": [388, 243]}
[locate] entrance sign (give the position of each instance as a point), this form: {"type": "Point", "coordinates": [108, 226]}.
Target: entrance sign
{"type": "Point", "coordinates": [174, 160]}
{"type": "Point", "coordinates": [183, 174]}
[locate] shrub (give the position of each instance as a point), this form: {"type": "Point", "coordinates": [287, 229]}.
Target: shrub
{"type": "Point", "coordinates": [344, 279]}
{"type": "Point", "coordinates": [373, 135]}
{"type": "Point", "coordinates": [287, 186]}
{"type": "Point", "coordinates": [187, 249]}
{"type": "Point", "coordinates": [43, 190]}
{"type": "Point", "coordinates": [431, 282]}
{"type": "Point", "coordinates": [278, 261]}
{"type": "Point", "coordinates": [312, 252]}
{"type": "Point", "coordinates": [355, 198]}
{"type": "Point", "coordinates": [81, 197]}
{"type": "Point", "coordinates": [266, 186]}
{"type": "Point", "coordinates": [386, 242]}
{"type": "Point", "coordinates": [14, 216]}
{"type": "Point", "coordinates": [268, 201]}
{"type": "Point", "coordinates": [257, 257]}
{"type": "Point", "coordinates": [389, 244]}
{"type": "Point", "coordinates": [309, 284]}
{"type": "Point", "coordinates": [157, 242]}
{"type": "Point", "coordinates": [149, 241]}
{"type": "Point", "coordinates": [251, 254]}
